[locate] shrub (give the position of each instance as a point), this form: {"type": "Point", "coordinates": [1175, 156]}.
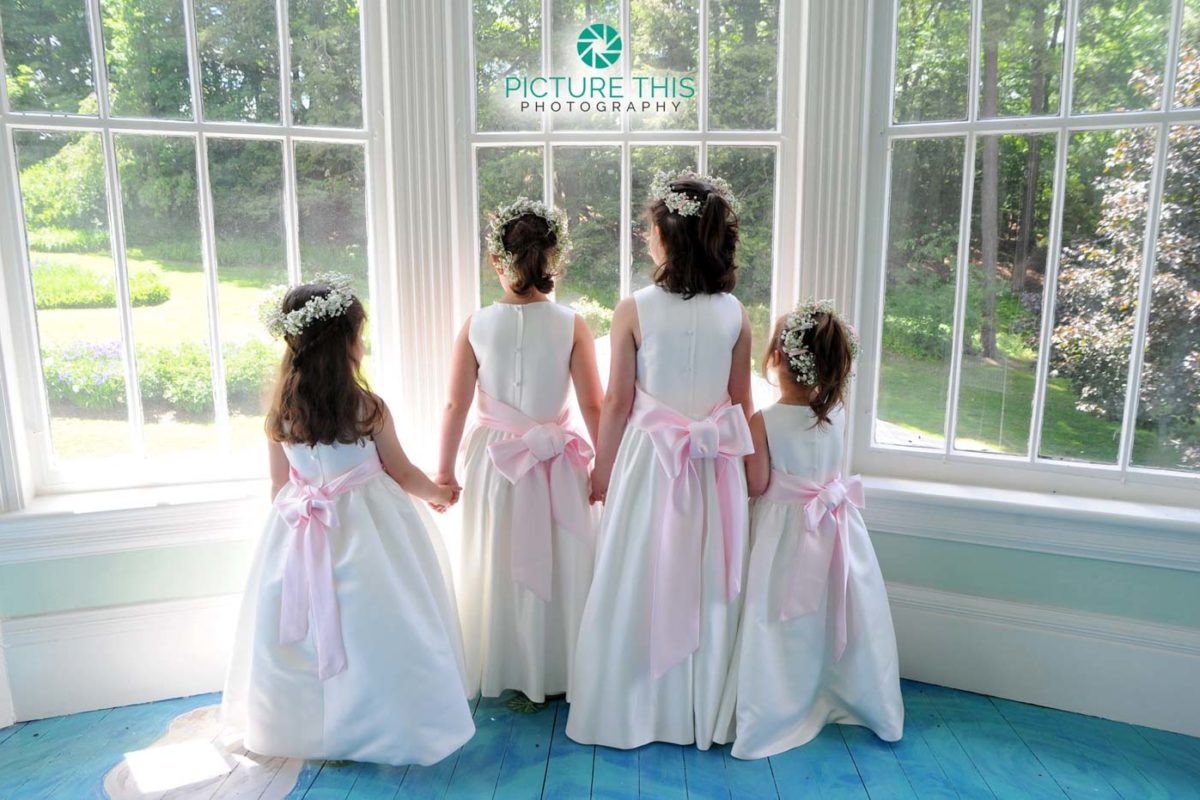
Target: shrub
{"type": "Point", "coordinates": [250, 368]}
{"type": "Point", "coordinates": [179, 377]}
{"type": "Point", "coordinates": [68, 285]}
{"type": "Point", "coordinates": [85, 375]}
{"type": "Point", "coordinates": [597, 317]}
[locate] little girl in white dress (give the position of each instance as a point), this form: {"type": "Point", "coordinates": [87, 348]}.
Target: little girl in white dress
{"type": "Point", "coordinates": [659, 627]}
{"type": "Point", "coordinates": [348, 644]}
{"type": "Point", "coordinates": [527, 546]}
{"type": "Point", "coordinates": [816, 644]}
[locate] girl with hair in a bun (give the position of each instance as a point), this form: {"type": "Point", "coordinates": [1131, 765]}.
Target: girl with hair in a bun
{"type": "Point", "coordinates": [658, 631]}
{"type": "Point", "coordinates": [526, 552]}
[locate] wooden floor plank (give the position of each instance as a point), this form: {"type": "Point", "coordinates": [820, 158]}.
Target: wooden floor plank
{"type": "Point", "coordinates": [1006, 763]}
{"type": "Point", "coordinates": [926, 734]}
{"type": "Point", "coordinates": [523, 771]}
{"type": "Point", "coordinates": [308, 774]}
{"type": "Point", "coordinates": [660, 772]}
{"type": "Point", "coordinates": [704, 772]}
{"type": "Point", "coordinates": [615, 774]}
{"type": "Point", "coordinates": [334, 781]}
{"type": "Point", "coordinates": [569, 771]}
{"type": "Point", "coordinates": [377, 782]}
{"type": "Point", "coordinates": [6, 733]}
{"type": "Point", "coordinates": [822, 768]}
{"type": "Point", "coordinates": [1178, 749]}
{"type": "Point", "coordinates": [26, 759]}
{"type": "Point", "coordinates": [479, 764]}
{"type": "Point", "coordinates": [748, 780]}
{"type": "Point", "coordinates": [877, 764]}
{"type": "Point", "coordinates": [1084, 764]}
{"type": "Point", "coordinates": [430, 782]}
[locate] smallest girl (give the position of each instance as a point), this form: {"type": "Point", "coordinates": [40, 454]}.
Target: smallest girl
{"type": "Point", "coordinates": [348, 644]}
{"type": "Point", "coordinates": [816, 645]}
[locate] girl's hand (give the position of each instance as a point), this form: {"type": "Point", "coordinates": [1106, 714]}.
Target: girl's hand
{"type": "Point", "coordinates": [599, 487]}
{"type": "Point", "coordinates": [443, 497]}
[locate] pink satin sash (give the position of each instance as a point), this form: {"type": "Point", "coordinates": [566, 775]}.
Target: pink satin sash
{"type": "Point", "coordinates": [820, 563]}
{"type": "Point", "coordinates": [541, 463]}
{"type": "Point", "coordinates": [310, 510]}
{"type": "Point", "coordinates": [723, 437]}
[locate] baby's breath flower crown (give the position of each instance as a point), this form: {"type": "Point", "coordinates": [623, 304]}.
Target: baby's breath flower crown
{"type": "Point", "coordinates": [555, 218]}
{"type": "Point", "coordinates": [680, 202]}
{"type": "Point", "coordinates": [791, 338]}
{"type": "Point", "coordinates": [332, 304]}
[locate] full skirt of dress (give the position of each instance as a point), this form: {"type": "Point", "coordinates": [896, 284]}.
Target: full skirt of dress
{"type": "Point", "coordinates": [512, 638]}
{"type": "Point", "coordinates": [785, 684]}
{"type": "Point", "coordinates": [615, 700]}
{"type": "Point", "coordinates": [401, 698]}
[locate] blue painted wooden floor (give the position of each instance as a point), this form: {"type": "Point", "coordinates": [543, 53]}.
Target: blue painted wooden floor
{"type": "Point", "coordinates": [955, 745]}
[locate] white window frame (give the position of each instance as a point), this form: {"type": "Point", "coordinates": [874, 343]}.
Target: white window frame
{"type": "Point", "coordinates": [1121, 480]}
{"type": "Point", "coordinates": [33, 469]}
{"type": "Point", "coordinates": [783, 138]}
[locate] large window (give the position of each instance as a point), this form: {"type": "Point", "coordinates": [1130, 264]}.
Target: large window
{"type": "Point", "coordinates": [173, 158]}
{"type": "Point", "coordinates": [597, 162]}
{"type": "Point", "coordinates": [1037, 253]}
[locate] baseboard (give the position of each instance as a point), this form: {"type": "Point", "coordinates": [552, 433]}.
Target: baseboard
{"type": "Point", "coordinates": [1111, 667]}
{"type": "Point", "coordinates": [7, 714]}
{"type": "Point", "coordinates": [82, 660]}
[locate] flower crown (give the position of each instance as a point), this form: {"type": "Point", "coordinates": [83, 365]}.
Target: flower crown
{"type": "Point", "coordinates": [332, 304]}
{"type": "Point", "coordinates": [680, 202]}
{"type": "Point", "coordinates": [555, 218]}
{"type": "Point", "coordinates": [791, 338]}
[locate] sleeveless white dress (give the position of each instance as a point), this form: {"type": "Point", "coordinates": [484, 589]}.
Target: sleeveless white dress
{"type": "Point", "coordinates": [683, 362]}
{"type": "Point", "coordinates": [400, 698]}
{"type": "Point", "coordinates": [515, 639]}
{"type": "Point", "coordinates": [788, 682]}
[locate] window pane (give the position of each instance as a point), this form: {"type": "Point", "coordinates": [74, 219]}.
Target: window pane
{"type": "Point", "coordinates": [918, 310]}
{"type": "Point", "coordinates": [751, 173]}
{"type": "Point", "coordinates": [644, 162]}
{"type": "Point", "coordinates": [247, 193]}
{"type": "Point", "coordinates": [665, 41]}
{"type": "Point", "coordinates": [932, 54]}
{"type": "Point", "coordinates": [169, 292]}
{"type": "Point", "coordinates": [326, 62]}
{"type": "Point", "coordinates": [1168, 421]}
{"type": "Point", "coordinates": [743, 48]}
{"type": "Point", "coordinates": [48, 55]}
{"type": "Point", "coordinates": [1104, 218]}
{"type": "Point", "coordinates": [239, 59]}
{"type": "Point", "coordinates": [570, 17]}
{"type": "Point", "coordinates": [1020, 61]}
{"type": "Point", "coordinates": [1187, 82]}
{"type": "Point", "coordinates": [74, 286]}
{"type": "Point", "coordinates": [508, 43]}
{"type": "Point", "coordinates": [332, 204]}
{"type": "Point", "coordinates": [587, 185]}
{"type": "Point", "coordinates": [503, 174]}
{"type": "Point", "coordinates": [1120, 52]}
{"type": "Point", "coordinates": [146, 49]}
{"type": "Point", "coordinates": [1009, 228]}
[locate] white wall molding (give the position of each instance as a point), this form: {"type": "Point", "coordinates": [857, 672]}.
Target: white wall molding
{"type": "Point", "coordinates": [1113, 667]}
{"type": "Point", "coordinates": [76, 661]}
{"type": "Point", "coordinates": [83, 525]}
{"type": "Point", "coordinates": [1128, 533]}
{"type": "Point", "coordinates": [8, 715]}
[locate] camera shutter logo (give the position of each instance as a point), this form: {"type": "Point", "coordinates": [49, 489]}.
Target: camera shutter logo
{"type": "Point", "coordinates": [599, 45]}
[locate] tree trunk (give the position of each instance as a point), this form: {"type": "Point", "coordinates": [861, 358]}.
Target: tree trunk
{"type": "Point", "coordinates": [989, 215]}
{"type": "Point", "coordinates": [1037, 105]}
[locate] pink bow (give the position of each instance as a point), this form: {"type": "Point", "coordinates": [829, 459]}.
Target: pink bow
{"type": "Point", "coordinates": [820, 560]}
{"type": "Point", "coordinates": [539, 463]}
{"type": "Point", "coordinates": [310, 510]}
{"type": "Point", "coordinates": [723, 437]}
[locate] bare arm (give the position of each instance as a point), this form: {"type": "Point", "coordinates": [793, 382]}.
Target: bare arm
{"type": "Point", "coordinates": [404, 472]}
{"type": "Point", "coordinates": [586, 378]}
{"type": "Point", "coordinates": [618, 401]}
{"type": "Point", "coordinates": [464, 371]}
{"type": "Point", "coordinates": [739, 370]}
{"type": "Point", "coordinates": [758, 463]}
{"type": "Point", "coordinates": [280, 471]}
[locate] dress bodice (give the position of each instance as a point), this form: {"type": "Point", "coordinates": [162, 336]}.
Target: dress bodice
{"type": "Point", "coordinates": [687, 347]}
{"type": "Point", "coordinates": [799, 447]}
{"type": "Point", "coordinates": [322, 463]}
{"type": "Point", "coordinates": [524, 355]}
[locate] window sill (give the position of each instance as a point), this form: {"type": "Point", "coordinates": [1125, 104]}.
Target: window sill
{"type": "Point", "coordinates": [110, 521]}
{"type": "Point", "coordinates": [1082, 527]}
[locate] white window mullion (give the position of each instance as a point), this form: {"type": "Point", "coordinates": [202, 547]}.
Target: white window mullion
{"type": "Point", "coordinates": [626, 25]}
{"type": "Point", "coordinates": [291, 214]}
{"type": "Point", "coordinates": [285, 62]}
{"type": "Point", "coordinates": [702, 86]}
{"type": "Point", "coordinates": [1174, 43]}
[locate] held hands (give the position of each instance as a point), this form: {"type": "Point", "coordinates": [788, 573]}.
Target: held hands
{"type": "Point", "coordinates": [448, 492]}
{"type": "Point", "coordinates": [599, 487]}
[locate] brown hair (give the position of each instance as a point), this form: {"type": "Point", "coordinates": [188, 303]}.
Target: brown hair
{"type": "Point", "coordinates": [531, 242]}
{"type": "Point", "coordinates": [320, 396]}
{"type": "Point", "coordinates": [701, 250]}
{"type": "Point", "coordinates": [833, 355]}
